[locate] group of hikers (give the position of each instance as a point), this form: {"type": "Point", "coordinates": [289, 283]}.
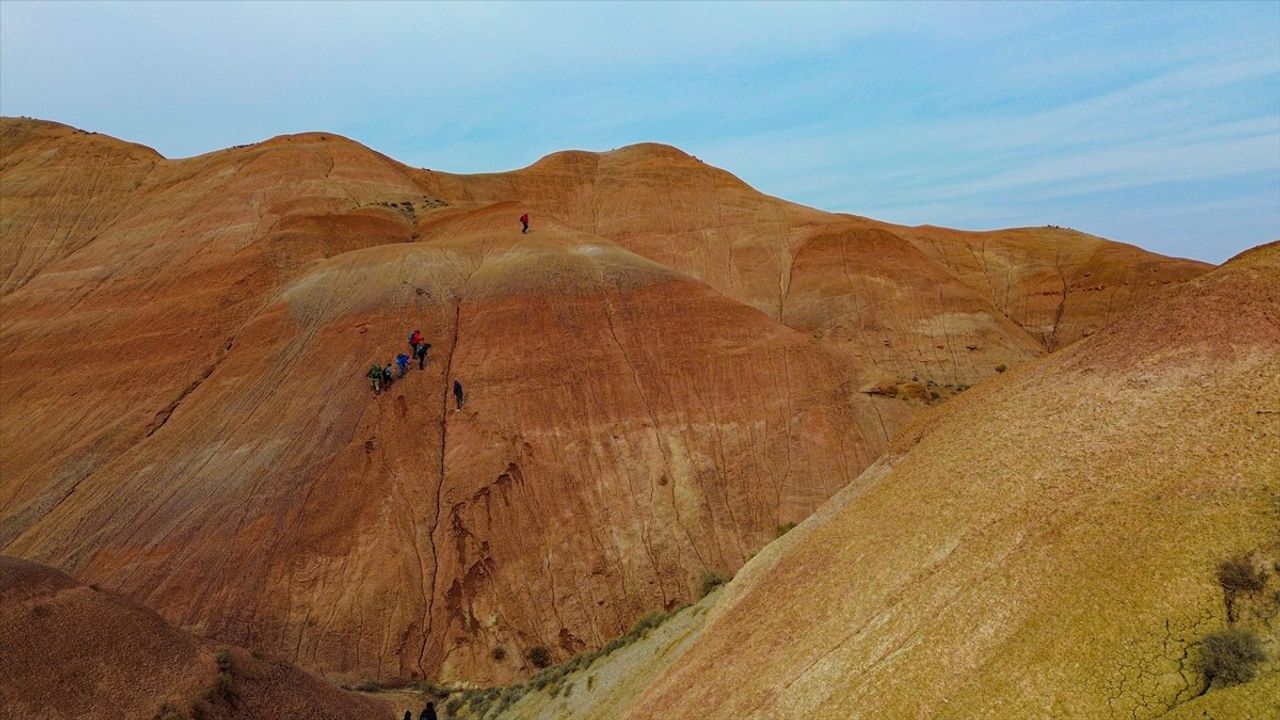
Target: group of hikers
{"type": "Point", "coordinates": [380, 377]}
{"type": "Point", "coordinates": [428, 713]}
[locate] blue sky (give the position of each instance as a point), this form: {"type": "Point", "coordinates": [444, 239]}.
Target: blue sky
{"type": "Point", "coordinates": [1156, 124]}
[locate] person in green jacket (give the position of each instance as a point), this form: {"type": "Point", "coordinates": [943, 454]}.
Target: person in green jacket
{"type": "Point", "coordinates": [375, 378]}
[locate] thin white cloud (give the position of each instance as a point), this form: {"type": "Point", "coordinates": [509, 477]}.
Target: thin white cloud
{"type": "Point", "coordinates": [982, 113]}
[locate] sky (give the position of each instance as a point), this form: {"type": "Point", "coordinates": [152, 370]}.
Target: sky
{"type": "Point", "coordinates": [1151, 123]}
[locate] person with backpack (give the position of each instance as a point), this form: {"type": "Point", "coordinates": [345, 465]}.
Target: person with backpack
{"type": "Point", "coordinates": [375, 378]}
{"type": "Point", "coordinates": [387, 375]}
{"type": "Point", "coordinates": [429, 712]}
{"type": "Point", "coordinates": [402, 364]}
{"type": "Point", "coordinates": [457, 394]}
{"type": "Point", "coordinates": [524, 220]}
{"type": "Point", "coordinates": [419, 346]}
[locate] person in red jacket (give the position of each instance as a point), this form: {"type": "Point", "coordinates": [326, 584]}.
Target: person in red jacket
{"type": "Point", "coordinates": [419, 346]}
{"type": "Point", "coordinates": [524, 220]}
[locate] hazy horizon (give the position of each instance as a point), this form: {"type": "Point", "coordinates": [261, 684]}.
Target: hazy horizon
{"type": "Point", "coordinates": [1152, 124]}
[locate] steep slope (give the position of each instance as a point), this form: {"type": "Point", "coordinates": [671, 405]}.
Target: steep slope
{"type": "Point", "coordinates": [669, 366]}
{"type": "Point", "coordinates": [626, 427]}
{"type": "Point", "coordinates": [1044, 546]}
{"type": "Point", "coordinates": [73, 651]}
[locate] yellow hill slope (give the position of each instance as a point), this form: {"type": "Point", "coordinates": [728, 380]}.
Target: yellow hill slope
{"type": "Point", "coordinates": [1045, 546]}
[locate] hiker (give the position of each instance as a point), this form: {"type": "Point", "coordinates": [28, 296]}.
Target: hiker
{"type": "Point", "coordinates": [524, 220]}
{"type": "Point", "coordinates": [457, 394]}
{"type": "Point", "coordinates": [375, 378]}
{"type": "Point", "coordinates": [408, 715]}
{"type": "Point", "coordinates": [387, 374]}
{"type": "Point", "coordinates": [419, 346]}
{"type": "Point", "coordinates": [429, 712]}
{"type": "Point", "coordinates": [402, 363]}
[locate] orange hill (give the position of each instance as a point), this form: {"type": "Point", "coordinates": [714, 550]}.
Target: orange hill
{"type": "Point", "coordinates": [1044, 546]}
{"type": "Point", "coordinates": [665, 369]}
{"type": "Point", "coordinates": [73, 651]}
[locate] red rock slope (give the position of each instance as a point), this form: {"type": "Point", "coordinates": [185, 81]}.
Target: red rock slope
{"type": "Point", "coordinates": [73, 651]}
{"type": "Point", "coordinates": [669, 366]}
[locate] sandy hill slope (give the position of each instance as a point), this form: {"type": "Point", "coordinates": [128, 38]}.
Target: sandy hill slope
{"type": "Point", "coordinates": [74, 651]}
{"type": "Point", "coordinates": [665, 369]}
{"type": "Point", "coordinates": [1043, 546]}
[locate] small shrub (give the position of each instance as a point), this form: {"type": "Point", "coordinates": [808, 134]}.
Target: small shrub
{"type": "Point", "coordinates": [499, 654]}
{"type": "Point", "coordinates": [644, 625]}
{"type": "Point", "coordinates": [509, 697]}
{"type": "Point", "coordinates": [710, 581]}
{"type": "Point", "coordinates": [933, 394]}
{"type": "Point", "coordinates": [1001, 368]}
{"type": "Point", "coordinates": [226, 661]}
{"type": "Point", "coordinates": [427, 687]}
{"type": "Point", "coordinates": [223, 688]}
{"type": "Point", "coordinates": [166, 712]}
{"type": "Point", "coordinates": [1230, 657]}
{"type": "Point", "coordinates": [1239, 575]}
{"type": "Point", "coordinates": [1235, 576]}
{"type": "Point", "coordinates": [783, 529]}
{"type": "Point", "coordinates": [455, 705]}
{"type": "Point", "coordinates": [578, 661]}
{"type": "Point", "coordinates": [367, 686]}
{"type": "Point", "coordinates": [539, 656]}
{"type": "Point", "coordinates": [539, 680]}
